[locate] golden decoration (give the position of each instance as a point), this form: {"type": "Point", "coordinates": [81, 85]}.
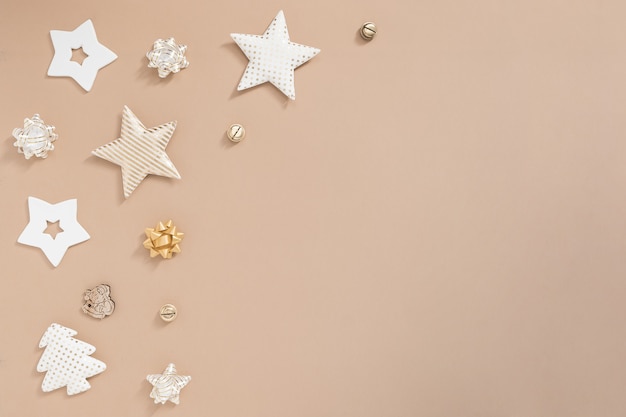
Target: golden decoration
{"type": "Point", "coordinates": [163, 240]}
{"type": "Point", "coordinates": [236, 133]}
{"type": "Point", "coordinates": [168, 312]}
{"type": "Point", "coordinates": [368, 31]}
{"type": "Point", "coordinates": [98, 302]}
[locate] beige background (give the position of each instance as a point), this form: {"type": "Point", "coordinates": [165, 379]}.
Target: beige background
{"type": "Point", "coordinates": [435, 227]}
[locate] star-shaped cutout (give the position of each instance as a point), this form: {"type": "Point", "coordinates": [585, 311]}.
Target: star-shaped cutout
{"type": "Point", "coordinates": [84, 36]}
{"type": "Point", "coordinates": [167, 386]}
{"type": "Point", "coordinates": [41, 213]}
{"type": "Point", "coordinates": [139, 151]}
{"type": "Point", "coordinates": [273, 57]}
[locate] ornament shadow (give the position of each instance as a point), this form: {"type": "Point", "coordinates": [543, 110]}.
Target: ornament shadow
{"type": "Point", "coordinates": [143, 395]}
{"type": "Point", "coordinates": [38, 376]}
{"type": "Point", "coordinates": [150, 76]}
{"type": "Point", "coordinates": [144, 255]}
{"type": "Point", "coordinates": [10, 155]}
{"type": "Point", "coordinates": [358, 39]}
{"type": "Point", "coordinates": [227, 143]}
{"type": "Point", "coordinates": [92, 159]}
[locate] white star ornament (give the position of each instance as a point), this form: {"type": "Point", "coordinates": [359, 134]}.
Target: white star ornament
{"type": "Point", "coordinates": [98, 55]}
{"type": "Point", "coordinates": [139, 151]}
{"type": "Point", "coordinates": [41, 213]}
{"type": "Point", "coordinates": [167, 386]}
{"type": "Point", "coordinates": [273, 57]}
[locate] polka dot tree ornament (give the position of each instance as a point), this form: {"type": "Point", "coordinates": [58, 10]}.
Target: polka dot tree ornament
{"type": "Point", "coordinates": [67, 361]}
{"type": "Point", "coordinates": [273, 57]}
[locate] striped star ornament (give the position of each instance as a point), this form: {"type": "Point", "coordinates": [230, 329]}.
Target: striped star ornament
{"type": "Point", "coordinates": [139, 151]}
{"type": "Point", "coordinates": [167, 386]}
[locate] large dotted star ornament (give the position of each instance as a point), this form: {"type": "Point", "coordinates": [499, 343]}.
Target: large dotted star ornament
{"type": "Point", "coordinates": [139, 151]}
{"type": "Point", "coordinates": [167, 386]}
{"type": "Point", "coordinates": [273, 57]}
{"type": "Point", "coordinates": [98, 55]}
{"type": "Point", "coordinates": [41, 213]}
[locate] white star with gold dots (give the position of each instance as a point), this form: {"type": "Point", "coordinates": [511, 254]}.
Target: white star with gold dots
{"type": "Point", "coordinates": [273, 57]}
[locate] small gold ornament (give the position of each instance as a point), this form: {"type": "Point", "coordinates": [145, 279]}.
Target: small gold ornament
{"type": "Point", "coordinates": [236, 133]}
{"type": "Point", "coordinates": [98, 302]}
{"type": "Point", "coordinates": [168, 312]}
{"type": "Point", "coordinates": [163, 240]}
{"type": "Point", "coordinates": [368, 31]}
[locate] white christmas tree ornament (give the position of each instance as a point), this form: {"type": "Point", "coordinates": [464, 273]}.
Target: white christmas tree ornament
{"type": "Point", "coordinates": [67, 361]}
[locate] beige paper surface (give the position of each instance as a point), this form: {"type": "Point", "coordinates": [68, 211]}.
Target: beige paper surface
{"type": "Point", "coordinates": [435, 227]}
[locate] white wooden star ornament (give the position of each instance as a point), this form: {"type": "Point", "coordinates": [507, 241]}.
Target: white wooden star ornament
{"type": "Point", "coordinates": [42, 212]}
{"type": "Point", "coordinates": [273, 57]}
{"type": "Point", "coordinates": [98, 55]}
{"type": "Point", "coordinates": [167, 386]}
{"type": "Point", "coordinates": [139, 151]}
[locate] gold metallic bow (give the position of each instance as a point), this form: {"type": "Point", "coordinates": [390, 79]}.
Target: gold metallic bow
{"type": "Point", "coordinates": [163, 240]}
